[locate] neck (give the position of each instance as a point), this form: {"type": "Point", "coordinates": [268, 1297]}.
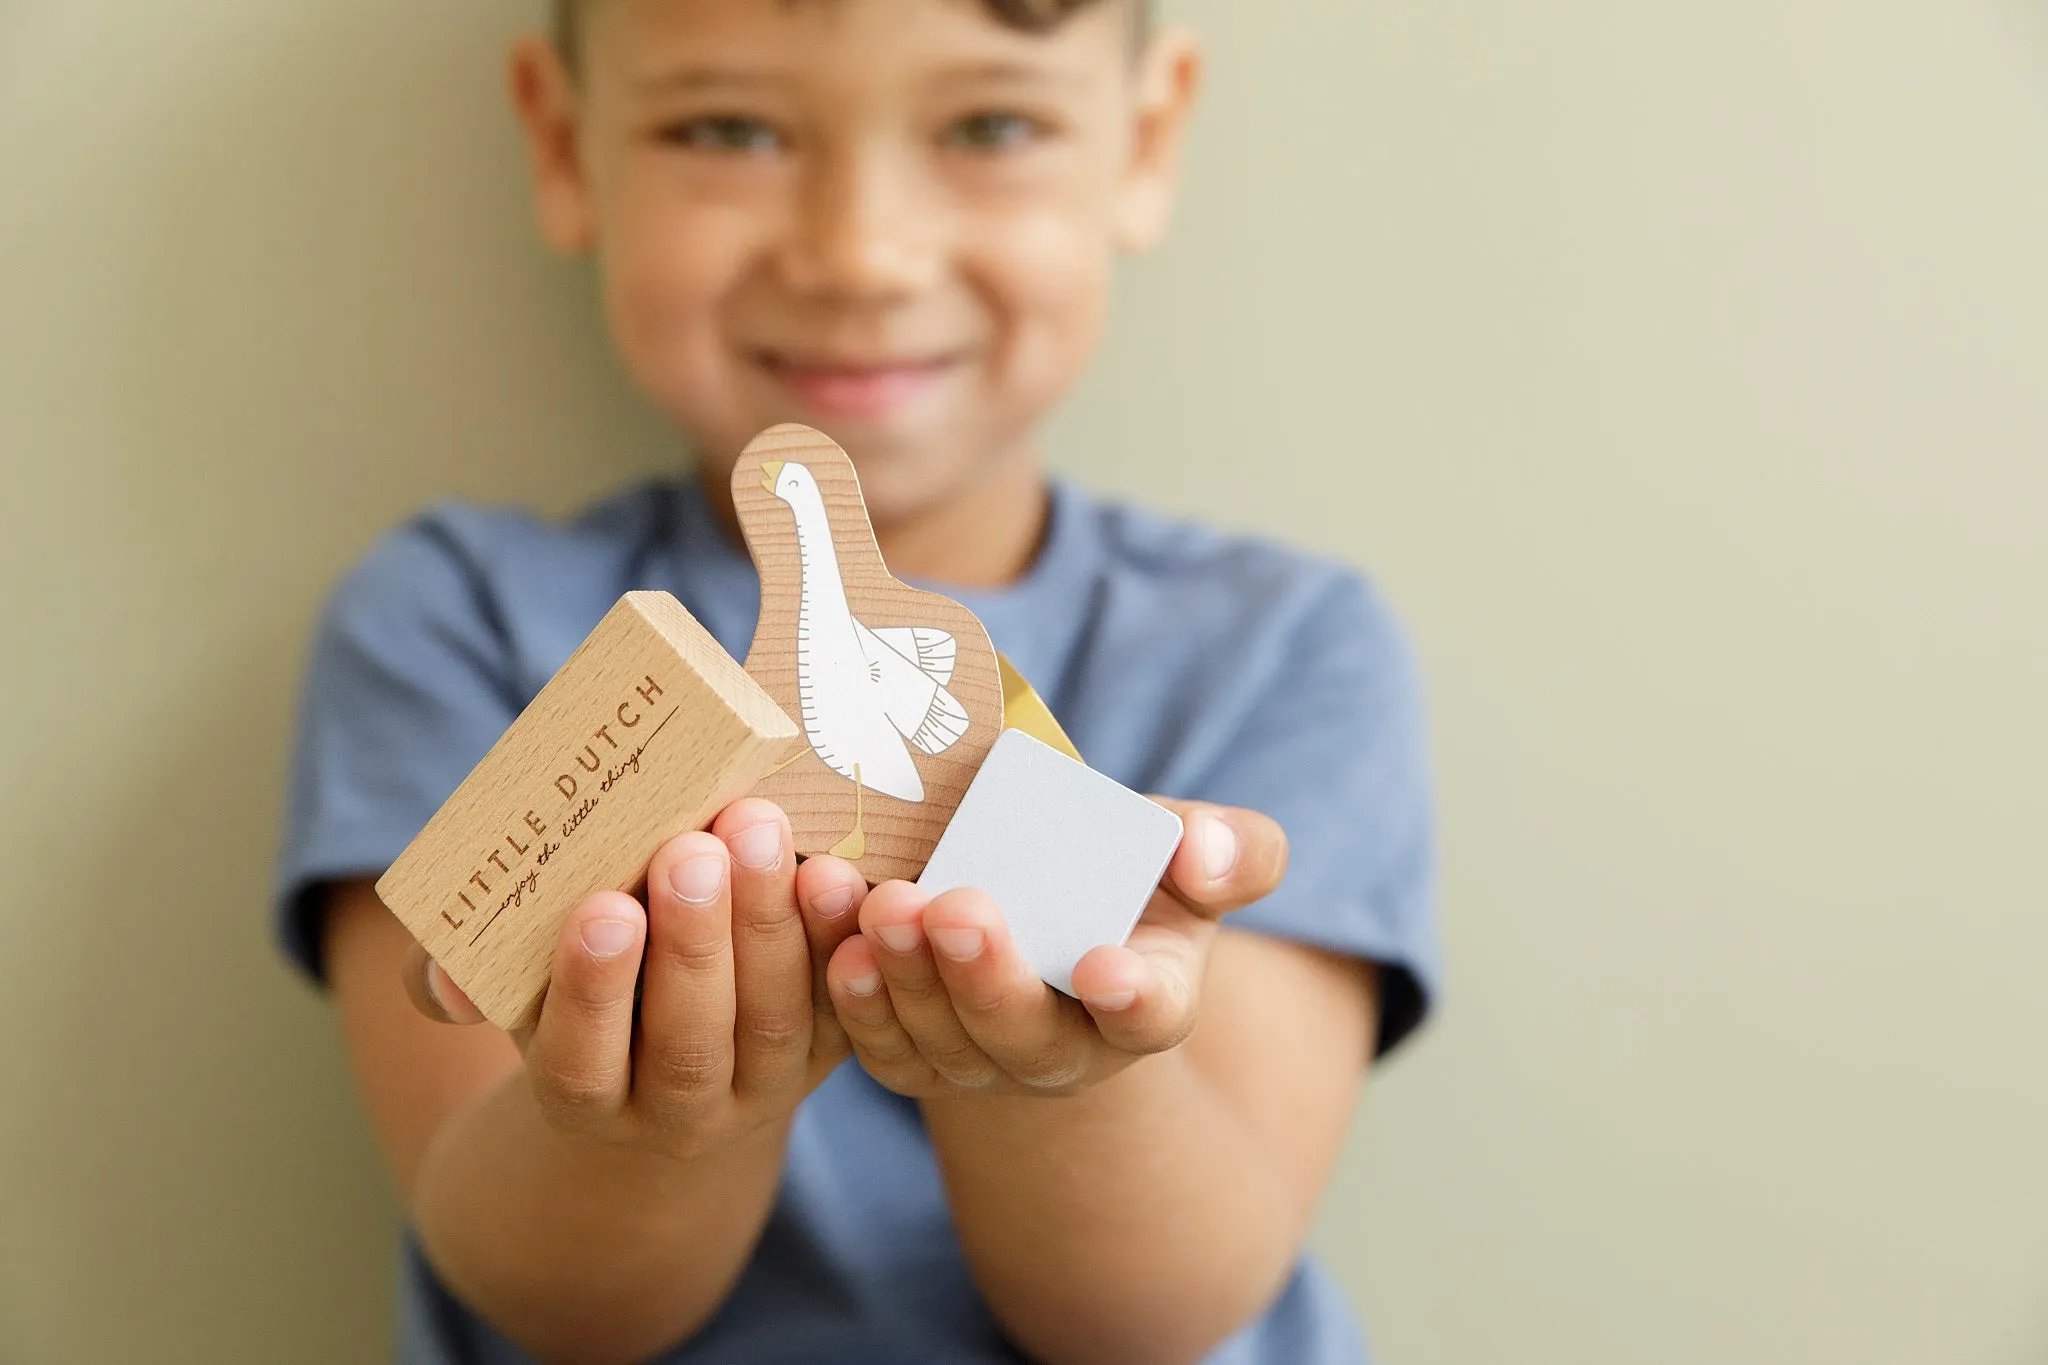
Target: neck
{"type": "Point", "coordinates": [815, 548]}
{"type": "Point", "coordinates": [984, 535]}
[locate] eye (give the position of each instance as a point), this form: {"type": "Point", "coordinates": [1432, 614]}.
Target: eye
{"type": "Point", "coordinates": [729, 134]}
{"type": "Point", "coordinates": [994, 130]}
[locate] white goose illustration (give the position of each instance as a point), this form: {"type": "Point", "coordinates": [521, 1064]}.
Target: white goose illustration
{"type": "Point", "coordinates": [867, 694]}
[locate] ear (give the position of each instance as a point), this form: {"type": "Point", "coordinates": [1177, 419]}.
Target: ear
{"type": "Point", "coordinates": [544, 96]}
{"type": "Point", "coordinates": [1168, 78]}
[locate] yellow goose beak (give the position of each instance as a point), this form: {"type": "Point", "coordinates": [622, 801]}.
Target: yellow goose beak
{"type": "Point", "coordinates": [771, 470]}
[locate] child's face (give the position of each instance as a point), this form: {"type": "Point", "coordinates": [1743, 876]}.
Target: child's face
{"type": "Point", "coordinates": [893, 220]}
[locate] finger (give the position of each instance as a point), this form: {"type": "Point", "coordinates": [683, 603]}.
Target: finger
{"type": "Point", "coordinates": [1228, 856]}
{"type": "Point", "coordinates": [579, 1055]}
{"type": "Point", "coordinates": [892, 921]}
{"type": "Point", "coordinates": [686, 997]}
{"type": "Point", "coordinates": [433, 993]}
{"type": "Point", "coordinates": [1039, 1037]}
{"type": "Point", "coordinates": [828, 892]}
{"type": "Point", "coordinates": [1143, 996]}
{"type": "Point", "coordinates": [771, 954]}
{"type": "Point", "coordinates": [860, 1001]}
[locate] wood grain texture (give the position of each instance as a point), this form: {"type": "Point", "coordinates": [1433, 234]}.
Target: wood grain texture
{"type": "Point", "coordinates": [648, 730]}
{"type": "Point", "coordinates": [895, 835]}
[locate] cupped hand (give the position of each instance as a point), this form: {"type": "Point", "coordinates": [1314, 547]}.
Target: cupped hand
{"type": "Point", "coordinates": [733, 1026]}
{"type": "Point", "coordinates": [936, 1000]}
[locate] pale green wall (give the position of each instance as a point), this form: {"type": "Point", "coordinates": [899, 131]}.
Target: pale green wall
{"type": "Point", "coordinates": [1681, 371]}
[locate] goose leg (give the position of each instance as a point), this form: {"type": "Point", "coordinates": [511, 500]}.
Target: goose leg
{"type": "Point", "coordinates": [854, 846]}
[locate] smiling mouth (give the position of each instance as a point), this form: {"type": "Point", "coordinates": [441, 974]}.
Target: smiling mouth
{"type": "Point", "coordinates": [831, 386]}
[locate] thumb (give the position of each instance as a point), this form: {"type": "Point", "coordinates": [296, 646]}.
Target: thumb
{"type": "Point", "coordinates": [1228, 857]}
{"type": "Point", "coordinates": [434, 993]}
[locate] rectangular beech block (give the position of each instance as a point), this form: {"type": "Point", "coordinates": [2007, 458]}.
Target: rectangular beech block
{"type": "Point", "coordinates": [649, 730]}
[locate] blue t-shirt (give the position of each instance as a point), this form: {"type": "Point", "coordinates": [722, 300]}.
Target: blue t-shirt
{"type": "Point", "coordinates": [1181, 661]}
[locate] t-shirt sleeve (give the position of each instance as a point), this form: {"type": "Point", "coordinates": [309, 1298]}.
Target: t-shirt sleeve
{"type": "Point", "coordinates": [1334, 747]}
{"type": "Point", "coordinates": [406, 687]}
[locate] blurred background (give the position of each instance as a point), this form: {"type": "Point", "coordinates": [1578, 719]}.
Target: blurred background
{"type": "Point", "coordinates": [1681, 371]}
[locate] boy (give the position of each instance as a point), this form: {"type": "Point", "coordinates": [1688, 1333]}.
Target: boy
{"type": "Point", "coordinates": [893, 220]}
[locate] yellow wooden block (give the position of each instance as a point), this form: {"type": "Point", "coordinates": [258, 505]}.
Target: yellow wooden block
{"type": "Point", "coordinates": [1024, 709]}
{"type": "Point", "coordinates": [648, 730]}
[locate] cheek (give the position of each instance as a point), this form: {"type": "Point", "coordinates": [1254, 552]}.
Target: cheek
{"type": "Point", "coordinates": [1047, 278]}
{"type": "Point", "coordinates": [667, 272]}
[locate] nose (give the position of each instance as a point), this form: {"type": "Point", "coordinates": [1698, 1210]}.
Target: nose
{"type": "Point", "coordinates": [864, 230]}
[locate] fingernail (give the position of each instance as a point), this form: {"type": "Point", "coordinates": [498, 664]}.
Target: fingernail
{"type": "Point", "coordinates": [834, 902]}
{"type": "Point", "coordinates": [434, 987]}
{"type": "Point", "coordinates": [607, 937]}
{"type": "Point", "coordinates": [962, 945]}
{"type": "Point", "coordinates": [899, 938]}
{"type": "Point", "coordinates": [697, 879]}
{"type": "Point", "coordinates": [760, 847]}
{"type": "Point", "coordinates": [1112, 1000]}
{"type": "Point", "coordinates": [1219, 848]}
{"type": "Point", "coordinates": [867, 983]}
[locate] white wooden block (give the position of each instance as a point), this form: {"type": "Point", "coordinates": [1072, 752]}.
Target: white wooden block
{"type": "Point", "coordinates": [1071, 856]}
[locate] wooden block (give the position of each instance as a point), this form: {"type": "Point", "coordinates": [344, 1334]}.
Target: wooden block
{"type": "Point", "coordinates": [649, 729]}
{"type": "Point", "coordinates": [897, 689]}
{"type": "Point", "coordinates": [1024, 709]}
{"type": "Point", "coordinates": [1070, 855]}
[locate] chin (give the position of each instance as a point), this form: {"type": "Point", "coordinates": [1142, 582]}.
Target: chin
{"type": "Point", "coordinates": [908, 463]}
{"type": "Point", "coordinates": [902, 474]}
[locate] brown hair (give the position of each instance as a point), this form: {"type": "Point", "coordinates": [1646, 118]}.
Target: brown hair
{"type": "Point", "coordinates": [1032, 16]}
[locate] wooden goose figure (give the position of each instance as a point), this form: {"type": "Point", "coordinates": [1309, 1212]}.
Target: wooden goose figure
{"type": "Point", "coordinates": [867, 694]}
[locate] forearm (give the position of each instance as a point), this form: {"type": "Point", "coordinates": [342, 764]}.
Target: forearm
{"type": "Point", "coordinates": [584, 1254]}
{"type": "Point", "coordinates": [1140, 1220]}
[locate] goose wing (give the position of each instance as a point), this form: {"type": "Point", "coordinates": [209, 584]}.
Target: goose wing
{"type": "Point", "coordinates": [931, 649]}
{"type": "Point", "coordinates": [922, 710]}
